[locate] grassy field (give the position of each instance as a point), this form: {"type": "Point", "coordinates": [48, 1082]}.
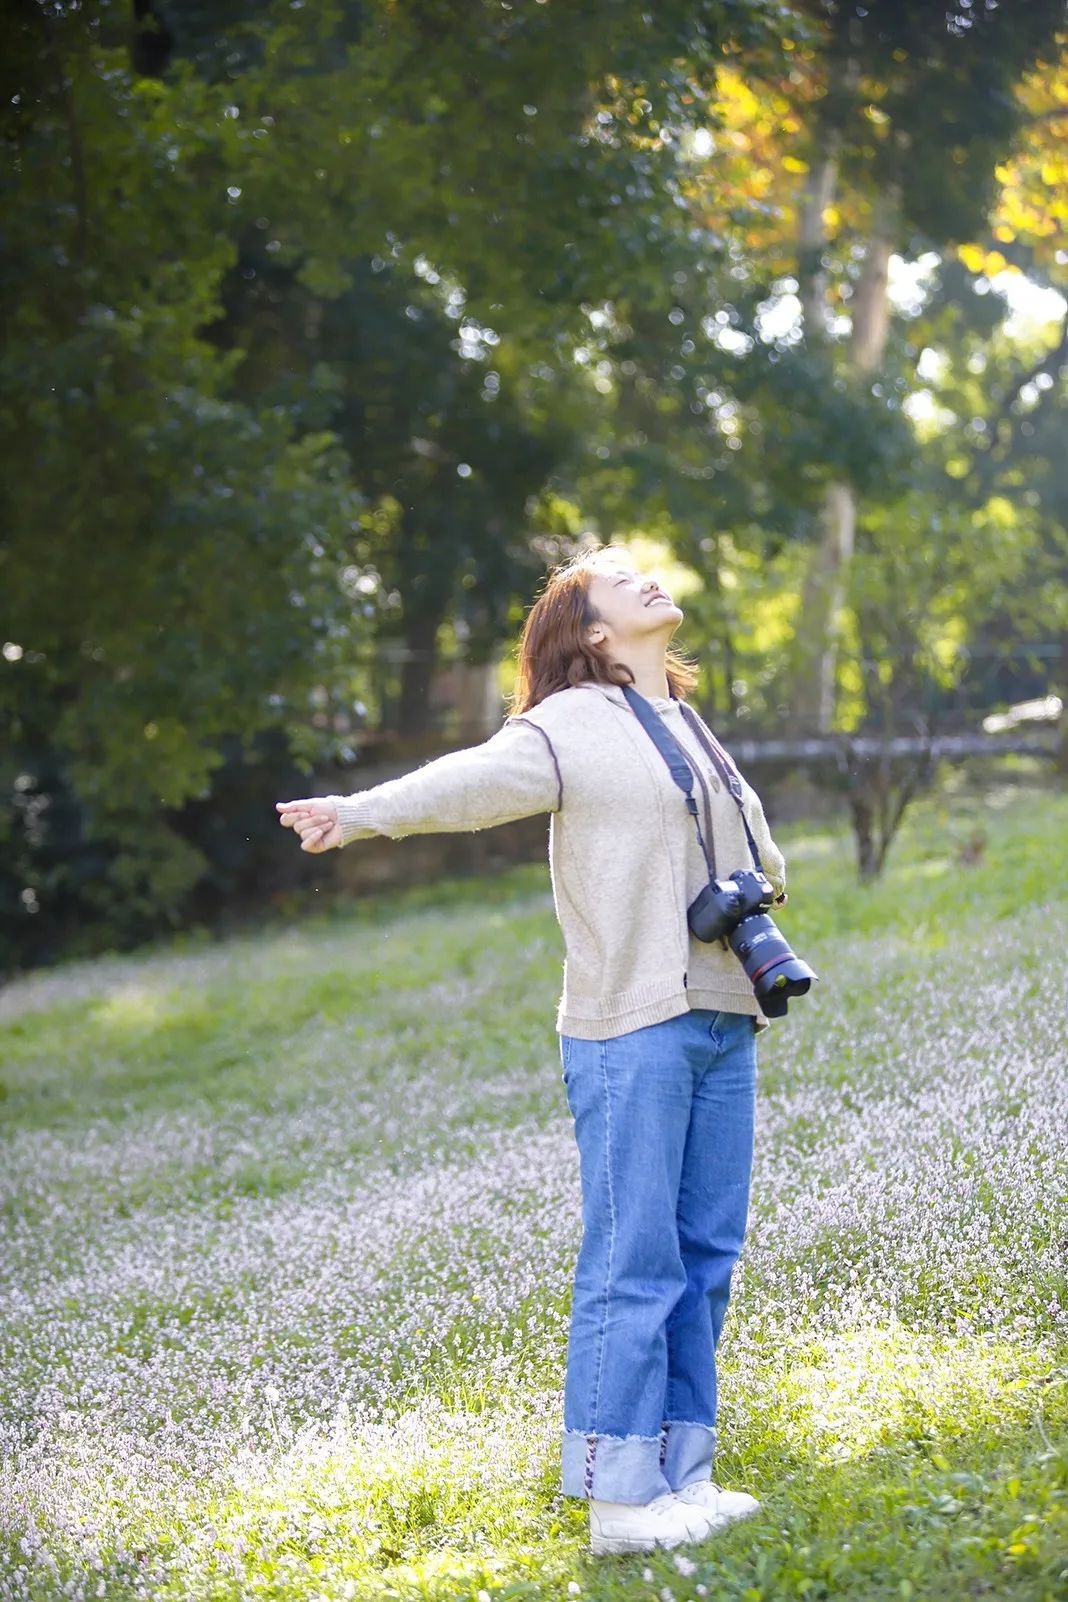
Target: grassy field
{"type": "Point", "coordinates": [289, 1222]}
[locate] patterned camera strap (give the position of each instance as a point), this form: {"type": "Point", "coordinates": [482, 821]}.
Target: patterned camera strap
{"type": "Point", "coordinates": [680, 768]}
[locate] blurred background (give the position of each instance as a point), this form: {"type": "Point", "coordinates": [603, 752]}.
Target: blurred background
{"type": "Point", "coordinates": [330, 327]}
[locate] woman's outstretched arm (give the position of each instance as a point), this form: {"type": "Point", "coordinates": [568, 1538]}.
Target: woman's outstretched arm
{"type": "Point", "coordinates": [511, 775]}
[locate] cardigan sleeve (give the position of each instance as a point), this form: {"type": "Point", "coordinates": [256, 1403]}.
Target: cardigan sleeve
{"type": "Point", "coordinates": [511, 775]}
{"type": "Point", "coordinates": [771, 858]}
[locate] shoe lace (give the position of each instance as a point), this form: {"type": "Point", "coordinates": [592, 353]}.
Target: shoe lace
{"type": "Point", "coordinates": [666, 1503]}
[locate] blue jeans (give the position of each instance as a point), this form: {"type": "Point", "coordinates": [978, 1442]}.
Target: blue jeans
{"type": "Point", "coordinates": [664, 1125]}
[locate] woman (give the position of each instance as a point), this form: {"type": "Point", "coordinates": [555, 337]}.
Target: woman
{"type": "Point", "coordinates": [657, 1029]}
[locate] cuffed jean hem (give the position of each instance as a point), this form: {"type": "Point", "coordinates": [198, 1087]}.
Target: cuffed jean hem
{"type": "Point", "coordinates": [687, 1452]}
{"type": "Point", "coordinates": [612, 1468]}
{"type": "Point", "coordinates": [636, 1468]}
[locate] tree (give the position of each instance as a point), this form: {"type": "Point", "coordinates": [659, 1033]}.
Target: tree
{"type": "Point", "coordinates": [903, 86]}
{"type": "Point", "coordinates": [387, 213]}
{"type": "Point", "coordinates": [157, 530]}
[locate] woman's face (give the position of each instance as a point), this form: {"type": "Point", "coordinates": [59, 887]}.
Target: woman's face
{"type": "Point", "coordinates": [629, 607]}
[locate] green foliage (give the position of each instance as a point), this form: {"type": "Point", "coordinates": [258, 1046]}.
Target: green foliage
{"type": "Point", "coordinates": [970, 552]}
{"type": "Point", "coordinates": [329, 325]}
{"type": "Point", "coordinates": [922, 97]}
{"type": "Point", "coordinates": [166, 535]}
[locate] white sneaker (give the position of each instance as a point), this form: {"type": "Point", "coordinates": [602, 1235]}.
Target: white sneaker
{"type": "Point", "coordinates": [641, 1526]}
{"type": "Point", "coordinates": [722, 1507]}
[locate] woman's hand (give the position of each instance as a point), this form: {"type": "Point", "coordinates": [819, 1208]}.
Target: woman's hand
{"type": "Point", "coordinates": [315, 820]}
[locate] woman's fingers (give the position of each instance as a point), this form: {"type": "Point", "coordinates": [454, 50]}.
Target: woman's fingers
{"type": "Point", "coordinates": [313, 817]}
{"type": "Point", "coordinates": [311, 808]}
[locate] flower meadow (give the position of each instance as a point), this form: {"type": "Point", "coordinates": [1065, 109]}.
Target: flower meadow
{"type": "Point", "coordinates": [289, 1223]}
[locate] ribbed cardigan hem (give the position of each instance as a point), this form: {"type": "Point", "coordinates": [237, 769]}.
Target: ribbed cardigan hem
{"type": "Point", "coordinates": [672, 1004]}
{"type": "Point", "coordinates": [621, 1023]}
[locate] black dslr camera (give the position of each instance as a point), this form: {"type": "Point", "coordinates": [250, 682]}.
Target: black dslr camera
{"type": "Point", "coordinates": [733, 909]}
{"type": "Point", "coordinates": [736, 908]}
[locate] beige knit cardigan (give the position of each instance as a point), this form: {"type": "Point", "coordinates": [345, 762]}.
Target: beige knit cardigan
{"type": "Point", "coordinates": [624, 859]}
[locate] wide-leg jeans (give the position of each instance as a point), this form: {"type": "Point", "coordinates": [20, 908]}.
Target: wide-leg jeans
{"type": "Point", "coordinates": [664, 1119]}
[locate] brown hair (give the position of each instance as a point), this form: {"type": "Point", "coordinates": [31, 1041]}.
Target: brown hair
{"type": "Point", "coordinates": [554, 655]}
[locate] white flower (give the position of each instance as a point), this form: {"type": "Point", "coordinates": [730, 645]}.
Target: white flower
{"type": "Point", "coordinates": [685, 1565]}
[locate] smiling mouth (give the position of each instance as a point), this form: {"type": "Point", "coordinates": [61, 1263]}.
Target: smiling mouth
{"type": "Point", "coordinates": [653, 598]}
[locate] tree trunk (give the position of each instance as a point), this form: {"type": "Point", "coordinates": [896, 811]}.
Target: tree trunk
{"type": "Point", "coordinates": [823, 593]}
{"type": "Point", "coordinates": [863, 834]}
{"type": "Point", "coordinates": [726, 641]}
{"type": "Point", "coordinates": [812, 238]}
{"type": "Point", "coordinates": [730, 699]}
{"type": "Point", "coordinates": [825, 587]}
{"type": "Point", "coordinates": [1062, 691]}
{"type": "Point", "coordinates": [417, 671]}
{"type": "Point", "coordinates": [820, 189]}
{"type": "Point", "coordinates": [871, 302]}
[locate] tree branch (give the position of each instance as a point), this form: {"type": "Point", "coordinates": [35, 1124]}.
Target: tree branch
{"type": "Point", "coordinates": [77, 155]}
{"type": "Point", "coordinates": [985, 459]}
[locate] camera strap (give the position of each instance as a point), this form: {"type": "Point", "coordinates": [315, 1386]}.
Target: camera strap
{"type": "Point", "coordinates": [680, 769]}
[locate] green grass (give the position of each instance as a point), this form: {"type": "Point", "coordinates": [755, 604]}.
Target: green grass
{"type": "Point", "coordinates": [333, 1157]}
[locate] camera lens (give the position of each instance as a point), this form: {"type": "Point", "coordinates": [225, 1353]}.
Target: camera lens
{"type": "Point", "coordinates": [773, 970]}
